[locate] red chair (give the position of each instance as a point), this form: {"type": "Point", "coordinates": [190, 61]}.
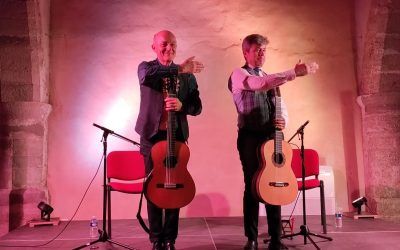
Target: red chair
{"type": "Point", "coordinates": [311, 163]}
{"type": "Point", "coordinates": [125, 173]}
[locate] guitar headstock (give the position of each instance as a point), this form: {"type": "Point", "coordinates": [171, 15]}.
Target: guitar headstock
{"type": "Point", "coordinates": [170, 85]}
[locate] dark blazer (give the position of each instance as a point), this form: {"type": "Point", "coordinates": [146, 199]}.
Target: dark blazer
{"type": "Point", "coordinates": [152, 99]}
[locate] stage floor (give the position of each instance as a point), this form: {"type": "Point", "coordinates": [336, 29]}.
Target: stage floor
{"type": "Point", "coordinates": [211, 233]}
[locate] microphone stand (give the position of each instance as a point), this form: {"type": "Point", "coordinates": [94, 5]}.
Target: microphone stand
{"type": "Point", "coordinates": [304, 228]}
{"type": "Point", "coordinates": [104, 236]}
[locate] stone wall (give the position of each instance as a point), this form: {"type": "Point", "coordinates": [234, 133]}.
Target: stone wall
{"type": "Point", "coordinates": [24, 108]}
{"type": "Point", "coordinates": [379, 90]}
{"type": "Point", "coordinates": [24, 73]}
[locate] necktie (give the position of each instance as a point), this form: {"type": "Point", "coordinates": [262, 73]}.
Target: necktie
{"type": "Point", "coordinates": [257, 71]}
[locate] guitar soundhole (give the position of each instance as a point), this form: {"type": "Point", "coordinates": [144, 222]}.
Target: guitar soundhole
{"type": "Point", "coordinates": [278, 158]}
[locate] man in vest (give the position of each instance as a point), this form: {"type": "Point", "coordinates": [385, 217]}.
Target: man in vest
{"type": "Point", "coordinates": [253, 91]}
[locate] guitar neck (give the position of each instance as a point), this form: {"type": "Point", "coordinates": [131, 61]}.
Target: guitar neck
{"type": "Point", "coordinates": [278, 133]}
{"type": "Point", "coordinates": [169, 88]}
{"type": "Point", "coordinates": [171, 133]}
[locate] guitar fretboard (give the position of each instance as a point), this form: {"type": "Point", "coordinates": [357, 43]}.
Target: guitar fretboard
{"type": "Point", "coordinates": [278, 133]}
{"type": "Point", "coordinates": [171, 134]}
{"type": "Point", "coordinates": [169, 88]}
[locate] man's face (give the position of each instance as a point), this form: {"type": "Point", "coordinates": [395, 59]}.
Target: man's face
{"type": "Point", "coordinates": [255, 57]}
{"type": "Point", "coordinates": [164, 45]}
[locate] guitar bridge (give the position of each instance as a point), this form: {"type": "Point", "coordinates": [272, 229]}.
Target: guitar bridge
{"type": "Point", "coordinates": [279, 184]}
{"type": "Point", "coordinates": [169, 185]}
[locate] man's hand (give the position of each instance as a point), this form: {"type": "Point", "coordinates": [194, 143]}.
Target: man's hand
{"type": "Point", "coordinates": [280, 123]}
{"type": "Point", "coordinates": [172, 104]}
{"type": "Point", "coordinates": [190, 66]}
{"type": "Point", "coordinates": [302, 69]}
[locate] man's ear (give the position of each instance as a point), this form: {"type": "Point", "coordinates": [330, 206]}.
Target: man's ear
{"type": "Point", "coordinates": [153, 47]}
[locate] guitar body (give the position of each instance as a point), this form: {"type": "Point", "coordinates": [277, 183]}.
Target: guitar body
{"type": "Point", "coordinates": [170, 185]}
{"type": "Point", "coordinates": [275, 183]}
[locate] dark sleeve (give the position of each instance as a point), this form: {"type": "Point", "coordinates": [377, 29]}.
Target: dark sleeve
{"type": "Point", "coordinates": [191, 105]}
{"type": "Point", "coordinates": [150, 72]}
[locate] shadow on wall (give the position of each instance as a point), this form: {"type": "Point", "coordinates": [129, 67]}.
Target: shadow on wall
{"type": "Point", "coordinates": [348, 101]}
{"type": "Point", "coordinates": [210, 205]}
{"type": "Point", "coordinates": [5, 169]}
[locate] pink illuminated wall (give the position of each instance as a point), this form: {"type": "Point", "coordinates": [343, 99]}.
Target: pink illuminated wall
{"type": "Point", "coordinates": [96, 47]}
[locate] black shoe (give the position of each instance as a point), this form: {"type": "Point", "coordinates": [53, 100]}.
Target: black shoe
{"type": "Point", "coordinates": [251, 245]}
{"type": "Point", "coordinates": [277, 245]}
{"type": "Point", "coordinates": [158, 245]}
{"type": "Point", "coordinates": [169, 245]}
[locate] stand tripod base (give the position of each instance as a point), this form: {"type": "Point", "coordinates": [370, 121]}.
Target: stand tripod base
{"type": "Point", "coordinates": [306, 233]}
{"type": "Point", "coordinates": [104, 238]}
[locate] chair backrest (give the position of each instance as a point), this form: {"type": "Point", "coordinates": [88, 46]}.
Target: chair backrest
{"type": "Point", "coordinates": [311, 162]}
{"type": "Point", "coordinates": [125, 165]}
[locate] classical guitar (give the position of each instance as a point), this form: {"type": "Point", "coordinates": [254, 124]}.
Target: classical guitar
{"type": "Point", "coordinates": [275, 183]}
{"type": "Point", "coordinates": [170, 185]}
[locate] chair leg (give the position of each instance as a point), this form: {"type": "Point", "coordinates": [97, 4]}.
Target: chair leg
{"type": "Point", "coordinates": [323, 211]}
{"type": "Point", "coordinates": [109, 210]}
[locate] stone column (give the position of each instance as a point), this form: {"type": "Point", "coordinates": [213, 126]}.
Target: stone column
{"type": "Point", "coordinates": [24, 109]}
{"type": "Point", "coordinates": [25, 163]}
{"type": "Point", "coordinates": [380, 102]}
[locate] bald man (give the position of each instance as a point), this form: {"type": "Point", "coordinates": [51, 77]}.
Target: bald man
{"type": "Point", "coordinates": [151, 123]}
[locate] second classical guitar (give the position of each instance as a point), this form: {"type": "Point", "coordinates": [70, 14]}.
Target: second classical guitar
{"type": "Point", "coordinates": [275, 182]}
{"type": "Point", "coordinates": [170, 184]}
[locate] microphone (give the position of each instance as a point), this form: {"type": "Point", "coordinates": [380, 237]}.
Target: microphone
{"type": "Point", "coordinates": [303, 126]}
{"type": "Point", "coordinates": [103, 128]}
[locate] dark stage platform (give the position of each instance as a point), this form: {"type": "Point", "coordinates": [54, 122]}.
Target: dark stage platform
{"type": "Point", "coordinates": [212, 233]}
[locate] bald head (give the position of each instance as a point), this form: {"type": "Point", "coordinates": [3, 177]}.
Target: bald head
{"type": "Point", "coordinates": [163, 34]}
{"type": "Point", "coordinates": [164, 45]}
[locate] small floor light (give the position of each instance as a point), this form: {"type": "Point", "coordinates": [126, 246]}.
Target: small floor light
{"type": "Point", "coordinates": [45, 210]}
{"type": "Point", "coordinates": [357, 203]}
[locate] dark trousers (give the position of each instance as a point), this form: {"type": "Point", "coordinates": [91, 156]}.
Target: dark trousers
{"type": "Point", "coordinates": [248, 144]}
{"type": "Point", "coordinates": [163, 223]}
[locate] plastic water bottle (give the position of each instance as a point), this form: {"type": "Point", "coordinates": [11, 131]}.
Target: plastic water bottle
{"type": "Point", "coordinates": [94, 228]}
{"type": "Point", "coordinates": [338, 218]}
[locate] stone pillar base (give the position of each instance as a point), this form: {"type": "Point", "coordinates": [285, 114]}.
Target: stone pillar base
{"type": "Point", "coordinates": [389, 207]}
{"type": "Point", "coordinates": [23, 205]}
{"type": "Point", "coordinates": [4, 210]}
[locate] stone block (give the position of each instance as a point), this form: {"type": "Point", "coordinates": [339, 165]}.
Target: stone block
{"type": "Point", "coordinates": [387, 157]}
{"type": "Point", "coordinates": [381, 125]}
{"type": "Point", "coordinates": [379, 140]}
{"type": "Point", "coordinates": [29, 146]}
{"type": "Point", "coordinates": [384, 184]}
{"type": "Point", "coordinates": [390, 61]}
{"type": "Point", "coordinates": [381, 103]}
{"type": "Point", "coordinates": [5, 163]}
{"type": "Point", "coordinates": [392, 43]}
{"type": "Point", "coordinates": [388, 206]}
{"type": "Point", "coordinates": [14, 9]}
{"type": "Point", "coordinates": [33, 130]}
{"type": "Point", "coordinates": [17, 93]}
{"type": "Point", "coordinates": [28, 171]}
{"type": "Point", "coordinates": [15, 58]}
{"type": "Point", "coordinates": [393, 26]}
{"type": "Point", "coordinates": [390, 82]}
{"type": "Point", "coordinates": [20, 114]}
{"type": "Point", "coordinates": [4, 210]}
{"type": "Point", "coordinates": [14, 27]}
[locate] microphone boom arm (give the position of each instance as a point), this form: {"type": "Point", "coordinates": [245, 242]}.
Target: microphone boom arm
{"type": "Point", "coordinates": [109, 131]}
